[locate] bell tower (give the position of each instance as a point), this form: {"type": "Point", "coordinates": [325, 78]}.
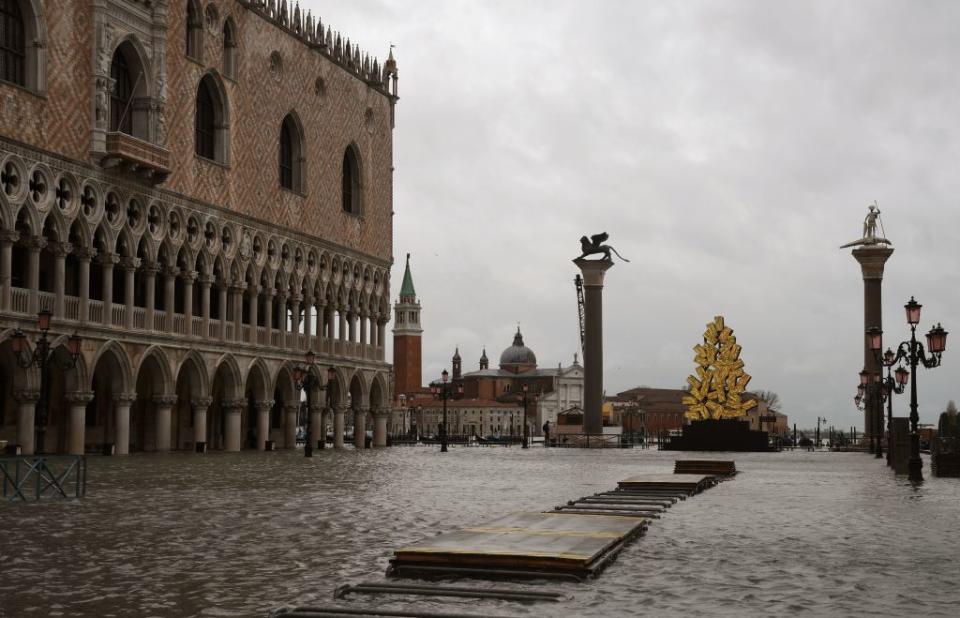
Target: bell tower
{"type": "Point", "coordinates": [406, 338]}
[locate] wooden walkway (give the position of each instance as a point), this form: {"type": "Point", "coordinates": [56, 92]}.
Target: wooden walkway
{"type": "Point", "coordinates": [575, 540]}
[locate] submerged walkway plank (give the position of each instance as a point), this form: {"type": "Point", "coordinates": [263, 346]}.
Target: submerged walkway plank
{"type": "Point", "coordinates": [523, 544]}
{"type": "Point", "coordinates": [692, 483]}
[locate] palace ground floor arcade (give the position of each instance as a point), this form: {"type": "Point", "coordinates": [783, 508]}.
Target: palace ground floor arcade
{"type": "Point", "coordinates": [142, 397]}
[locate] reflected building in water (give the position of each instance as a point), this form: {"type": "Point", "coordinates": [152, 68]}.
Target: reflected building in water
{"type": "Point", "coordinates": [203, 193]}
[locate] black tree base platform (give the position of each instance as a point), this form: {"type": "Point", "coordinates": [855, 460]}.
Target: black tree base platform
{"type": "Point", "coordinates": [719, 435]}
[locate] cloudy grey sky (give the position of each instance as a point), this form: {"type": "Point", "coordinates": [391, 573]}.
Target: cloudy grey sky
{"type": "Point", "coordinates": [728, 148]}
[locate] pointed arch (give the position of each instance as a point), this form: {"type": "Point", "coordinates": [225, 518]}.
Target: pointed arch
{"type": "Point", "coordinates": [212, 120]}
{"type": "Point", "coordinates": [229, 48]}
{"type": "Point", "coordinates": [292, 153]}
{"type": "Point", "coordinates": [351, 181]}
{"type": "Point", "coordinates": [228, 367]}
{"type": "Point", "coordinates": [154, 367]}
{"type": "Point", "coordinates": [194, 30]}
{"type": "Point", "coordinates": [117, 366]}
{"type": "Point", "coordinates": [257, 382]}
{"type": "Point", "coordinates": [130, 72]}
{"type": "Point", "coordinates": [23, 44]}
{"type": "Point", "coordinates": [193, 369]}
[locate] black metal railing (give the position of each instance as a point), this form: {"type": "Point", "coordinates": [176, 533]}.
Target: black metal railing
{"type": "Point", "coordinates": [28, 477]}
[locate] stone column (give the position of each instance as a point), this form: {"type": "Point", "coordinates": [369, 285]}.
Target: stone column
{"type": "Point", "coordinates": [129, 266]}
{"type": "Point", "coordinates": [380, 418]}
{"type": "Point", "coordinates": [359, 427]}
{"type": "Point", "coordinates": [84, 255]}
{"type": "Point", "coordinates": [872, 259]}
{"type": "Point", "coordinates": [169, 294]}
{"type": "Point", "coordinates": [189, 276]}
{"type": "Point", "coordinates": [253, 298]}
{"type": "Point", "coordinates": [237, 289]}
{"type": "Point", "coordinates": [342, 313]}
{"type": "Point", "coordinates": [35, 244]}
{"type": "Point", "coordinates": [321, 318]}
{"type": "Point", "coordinates": [78, 420]}
{"type": "Point", "coordinates": [200, 407]}
{"type": "Point", "coordinates": [317, 432]}
{"type": "Point", "coordinates": [375, 331]}
{"type": "Point", "coordinates": [593, 273]}
{"type": "Point", "coordinates": [205, 282]}
{"type": "Point", "coordinates": [282, 318]}
{"type": "Point", "coordinates": [351, 326]}
{"type": "Point", "coordinates": [290, 425]}
{"type": "Point", "coordinates": [107, 261]}
{"type": "Point", "coordinates": [121, 410]}
{"type": "Point", "coordinates": [307, 322]}
{"type": "Point", "coordinates": [150, 293]}
{"type": "Point", "coordinates": [338, 426]}
{"type": "Point", "coordinates": [232, 410]}
{"type": "Point", "coordinates": [7, 238]}
{"type": "Point", "coordinates": [263, 422]}
{"type": "Point", "coordinates": [363, 331]}
{"type": "Point", "coordinates": [163, 407]}
{"type": "Point", "coordinates": [268, 314]}
{"type": "Point", "coordinates": [60, 251]}
{"type": "Point", "coordinates": [26, 419]}
{"type": "Point", "coordinates": [222, 291]}
{"type": "Point", "coordinates": [295, 319]}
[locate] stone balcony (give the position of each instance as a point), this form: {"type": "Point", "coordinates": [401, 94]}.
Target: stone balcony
{"type": "Point", "coordinates": [137, 156]}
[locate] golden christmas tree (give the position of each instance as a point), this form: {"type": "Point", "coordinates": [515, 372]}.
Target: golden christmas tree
{"type": "Point", "coordinates": [720, 380]}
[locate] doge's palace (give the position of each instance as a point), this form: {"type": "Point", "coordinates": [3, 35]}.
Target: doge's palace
{"type": "Point", "coordinates": [202, 192]}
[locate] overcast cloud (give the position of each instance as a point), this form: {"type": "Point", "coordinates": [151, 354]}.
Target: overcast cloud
{"type": "Point", "coordinates": [728, 148]}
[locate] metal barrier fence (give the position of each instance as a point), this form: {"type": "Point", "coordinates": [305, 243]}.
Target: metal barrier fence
{"type": "Point", "coordinates": [33, 476]}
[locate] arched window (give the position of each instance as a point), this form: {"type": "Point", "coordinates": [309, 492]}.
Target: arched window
{"type": "Point", "coordinates": [229, 49]}
{"type": "Point", "coordinates": [210, 123]}
{"type": "Point", "coordinates": [13, 55]}
{"type": "Point", "coordinates": [206, 123]}
{"type": "Point", "coordinates": [121, 116]}
{"type": "Point", "coordinates": [194, 31]}
{"type": "Point", "coordinates": [351, 181]}
{"type": "Point", "coordinates": [291, 154]}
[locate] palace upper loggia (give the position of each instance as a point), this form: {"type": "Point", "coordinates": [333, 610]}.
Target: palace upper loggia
{"type": "Point", "coordinates": [202, 191]}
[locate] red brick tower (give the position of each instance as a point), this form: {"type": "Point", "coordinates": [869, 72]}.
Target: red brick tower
{"type": "Point", "coordinates": [406, 339]}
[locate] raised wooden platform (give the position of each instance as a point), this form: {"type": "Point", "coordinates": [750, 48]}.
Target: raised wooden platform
{"type": "Point", "coordinates": [690, 483]}
{"type": "Point", "coordinates": [705, 466]}
{"type": "Point", "coordinates": [557, 545]}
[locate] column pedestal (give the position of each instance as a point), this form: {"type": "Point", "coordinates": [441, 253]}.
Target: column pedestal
{"type": "Point", "coordinates": [263, 423]}
{"type": "Point", "coordinates": [338, 427]}
{"type": "Point", "coordinates": [163, 407]}
{"type": "Point", "coordinates": [122, 417]}
{"type": "Point", "coordinates": [380, 428]}
{"type": "Point", "coordinates": [78, 421]}
{"type": "Point", "coordinates": [359, 428]}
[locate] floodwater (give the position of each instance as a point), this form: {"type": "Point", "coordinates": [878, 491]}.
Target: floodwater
{"type": "Point", "coordinates": [241, 534]}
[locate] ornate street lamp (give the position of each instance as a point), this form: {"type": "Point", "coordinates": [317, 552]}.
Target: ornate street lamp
{"type": "Point", "coordinates": [891, 386]}
{"type": "Point", "coordinates": [44, 359]}
{"type": "Point", "coordinates": [914, 353]}
{"type": "Point", "coordinates": [304, 379]}
{"type": "Point", "coordinates": [445, 391]}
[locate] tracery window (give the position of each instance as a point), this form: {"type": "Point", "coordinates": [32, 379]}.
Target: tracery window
{"type": "Point", "coordinates": [288, 139]}
{"type": "Point", "coordinates": [194, 32]}
{"type": "Point", "coordinates": [206, 121]}
{"type": "Point", "coordinates": [13, 54]}
{"type": "Point", "coordinates": [229, 50]}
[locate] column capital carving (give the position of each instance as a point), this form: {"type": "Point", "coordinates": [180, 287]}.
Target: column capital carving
{"type": "Point", "coordinates": [169, 271]}
{"type": "Point", "coordinates": [381, 413]}
{"type": "Point", "coordinates": [206, 280]}
{"type": "Point", "coordinates": [129, 263]}
{"type": "Point", "coordinates": [291, 408]}
{"type": "Point", "coordinates": [254, 290]}
{"type": "Point", "coordinates": [201, 402]}
{"type": "Point", "coordinates": [36, 242]}
{"type": "Point", "coordinates": [108, 259]}
{"type": "Point", "coordinates": [61, 249]}
{"type": "Point", "coordinates": [79, 397]}
{"type": "Point", "coordinates": [166, 401]}
{"type": "Point", "coordinates": [233, 406]}
{"type": "Point", "coordinates": [317, 409]}
{"type": "Point", "coordinates": [27, 396]}
{"type": "Point", "coordinates": [84, 254]}
{"type": "Point", "coordinates": [9, 236]}
{"type": "Point", "coordinates": [125, 399]}
{"type": "Point", "coordinates": [189, 276]}
{"type": "Point", "coordinates": [263, 406]}
{"type": "Point", "coordinates": [150, 268]}
{"type": "Point", "coordinates": [296, 298]}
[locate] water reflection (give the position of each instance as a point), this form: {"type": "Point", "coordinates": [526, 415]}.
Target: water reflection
{"type": "Point", "coordinates": [239, 534]}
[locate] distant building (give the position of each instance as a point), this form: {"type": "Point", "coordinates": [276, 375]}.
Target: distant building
{"type": "Point", "coordinates": [663, 410]}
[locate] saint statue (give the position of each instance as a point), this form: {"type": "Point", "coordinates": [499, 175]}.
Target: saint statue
{"type": "Point", "coordinates": [870, 223]}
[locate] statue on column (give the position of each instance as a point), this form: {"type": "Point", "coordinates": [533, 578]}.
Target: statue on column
{"type": "Point", "coordinates": [870, 223]}
{"type": "Point", "coordinates": [594, 246]}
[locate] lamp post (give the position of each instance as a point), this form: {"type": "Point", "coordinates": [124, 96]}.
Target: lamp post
{"type": "Point", "coordinates": [304, 379]}
{"type": "Point", "coordinates": [817, 442]}
{"type": "Point", "coordinates": [403, 413]}
{"type": "Point", "coordinates": [526, 428]}
{"type": "Point", "coordinates": [892, 386]}
{"type": "Point", "coordinates": [43, 358]}
{"type": "Point", "coordinates": [445, 391]}
{"type": "Point", "coordinates": [914, 353]}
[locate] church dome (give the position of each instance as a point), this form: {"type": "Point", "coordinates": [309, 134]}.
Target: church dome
{"type": "Point", "coordinates": [518, 356]}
